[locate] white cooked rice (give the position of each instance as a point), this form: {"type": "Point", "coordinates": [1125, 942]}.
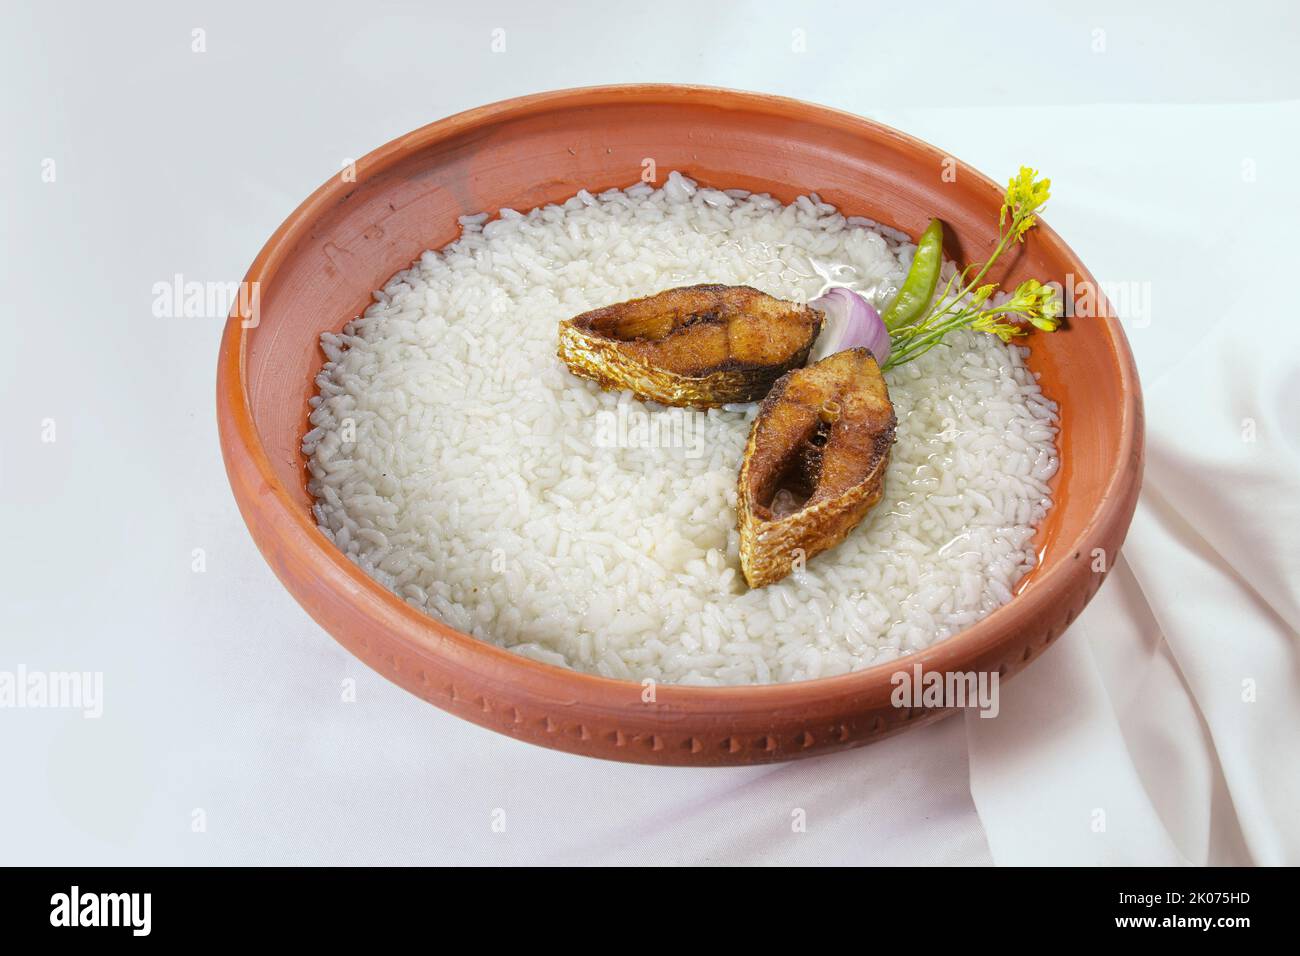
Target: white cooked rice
{"type": "Point", "coordinates": [457, 461]}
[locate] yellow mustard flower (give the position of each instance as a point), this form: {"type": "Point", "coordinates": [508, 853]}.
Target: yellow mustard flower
{"type": "Point", "coordinates": [993, 325]}
{"type": "Point", "coordinates": [1025, 195]}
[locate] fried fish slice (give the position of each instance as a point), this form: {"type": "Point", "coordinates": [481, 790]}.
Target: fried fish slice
{"type": "Point", "coordinates": [814, 464]}
{"type": "Point", "coordinates": [701, 346]}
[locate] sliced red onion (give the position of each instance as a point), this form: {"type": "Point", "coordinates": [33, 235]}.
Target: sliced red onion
{"type": "Point", "coordinates": [851, 322]}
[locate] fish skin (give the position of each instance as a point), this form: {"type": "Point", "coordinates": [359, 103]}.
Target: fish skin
{"type": "Point", "coordinates": [845, 478]}
{"type": "Point", "coordinates": [697, 346]}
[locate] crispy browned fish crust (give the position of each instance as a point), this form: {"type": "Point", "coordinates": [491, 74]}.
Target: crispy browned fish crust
{"type": "Point", "coordinates": [823, 432]}
{"type": "Point", "coordinates": [701, 346]}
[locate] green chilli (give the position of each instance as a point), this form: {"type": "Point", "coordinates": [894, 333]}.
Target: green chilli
{"type": "Point", "coordinates": [918, 288]}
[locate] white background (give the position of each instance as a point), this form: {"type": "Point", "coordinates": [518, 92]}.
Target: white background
{"type": "Point", "coordinates": [1171, 138]}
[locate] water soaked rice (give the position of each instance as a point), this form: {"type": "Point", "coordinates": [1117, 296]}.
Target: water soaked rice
{"type": "Point", "coordinates": [455, 459]}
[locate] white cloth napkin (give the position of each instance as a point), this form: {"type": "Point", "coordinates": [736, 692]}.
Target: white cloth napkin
{"type": "Point", "coordinates": [1170, 712]}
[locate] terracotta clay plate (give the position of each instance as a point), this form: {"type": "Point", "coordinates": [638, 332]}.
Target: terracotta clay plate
{"type": "Point", "coordinates": [317, 272]}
